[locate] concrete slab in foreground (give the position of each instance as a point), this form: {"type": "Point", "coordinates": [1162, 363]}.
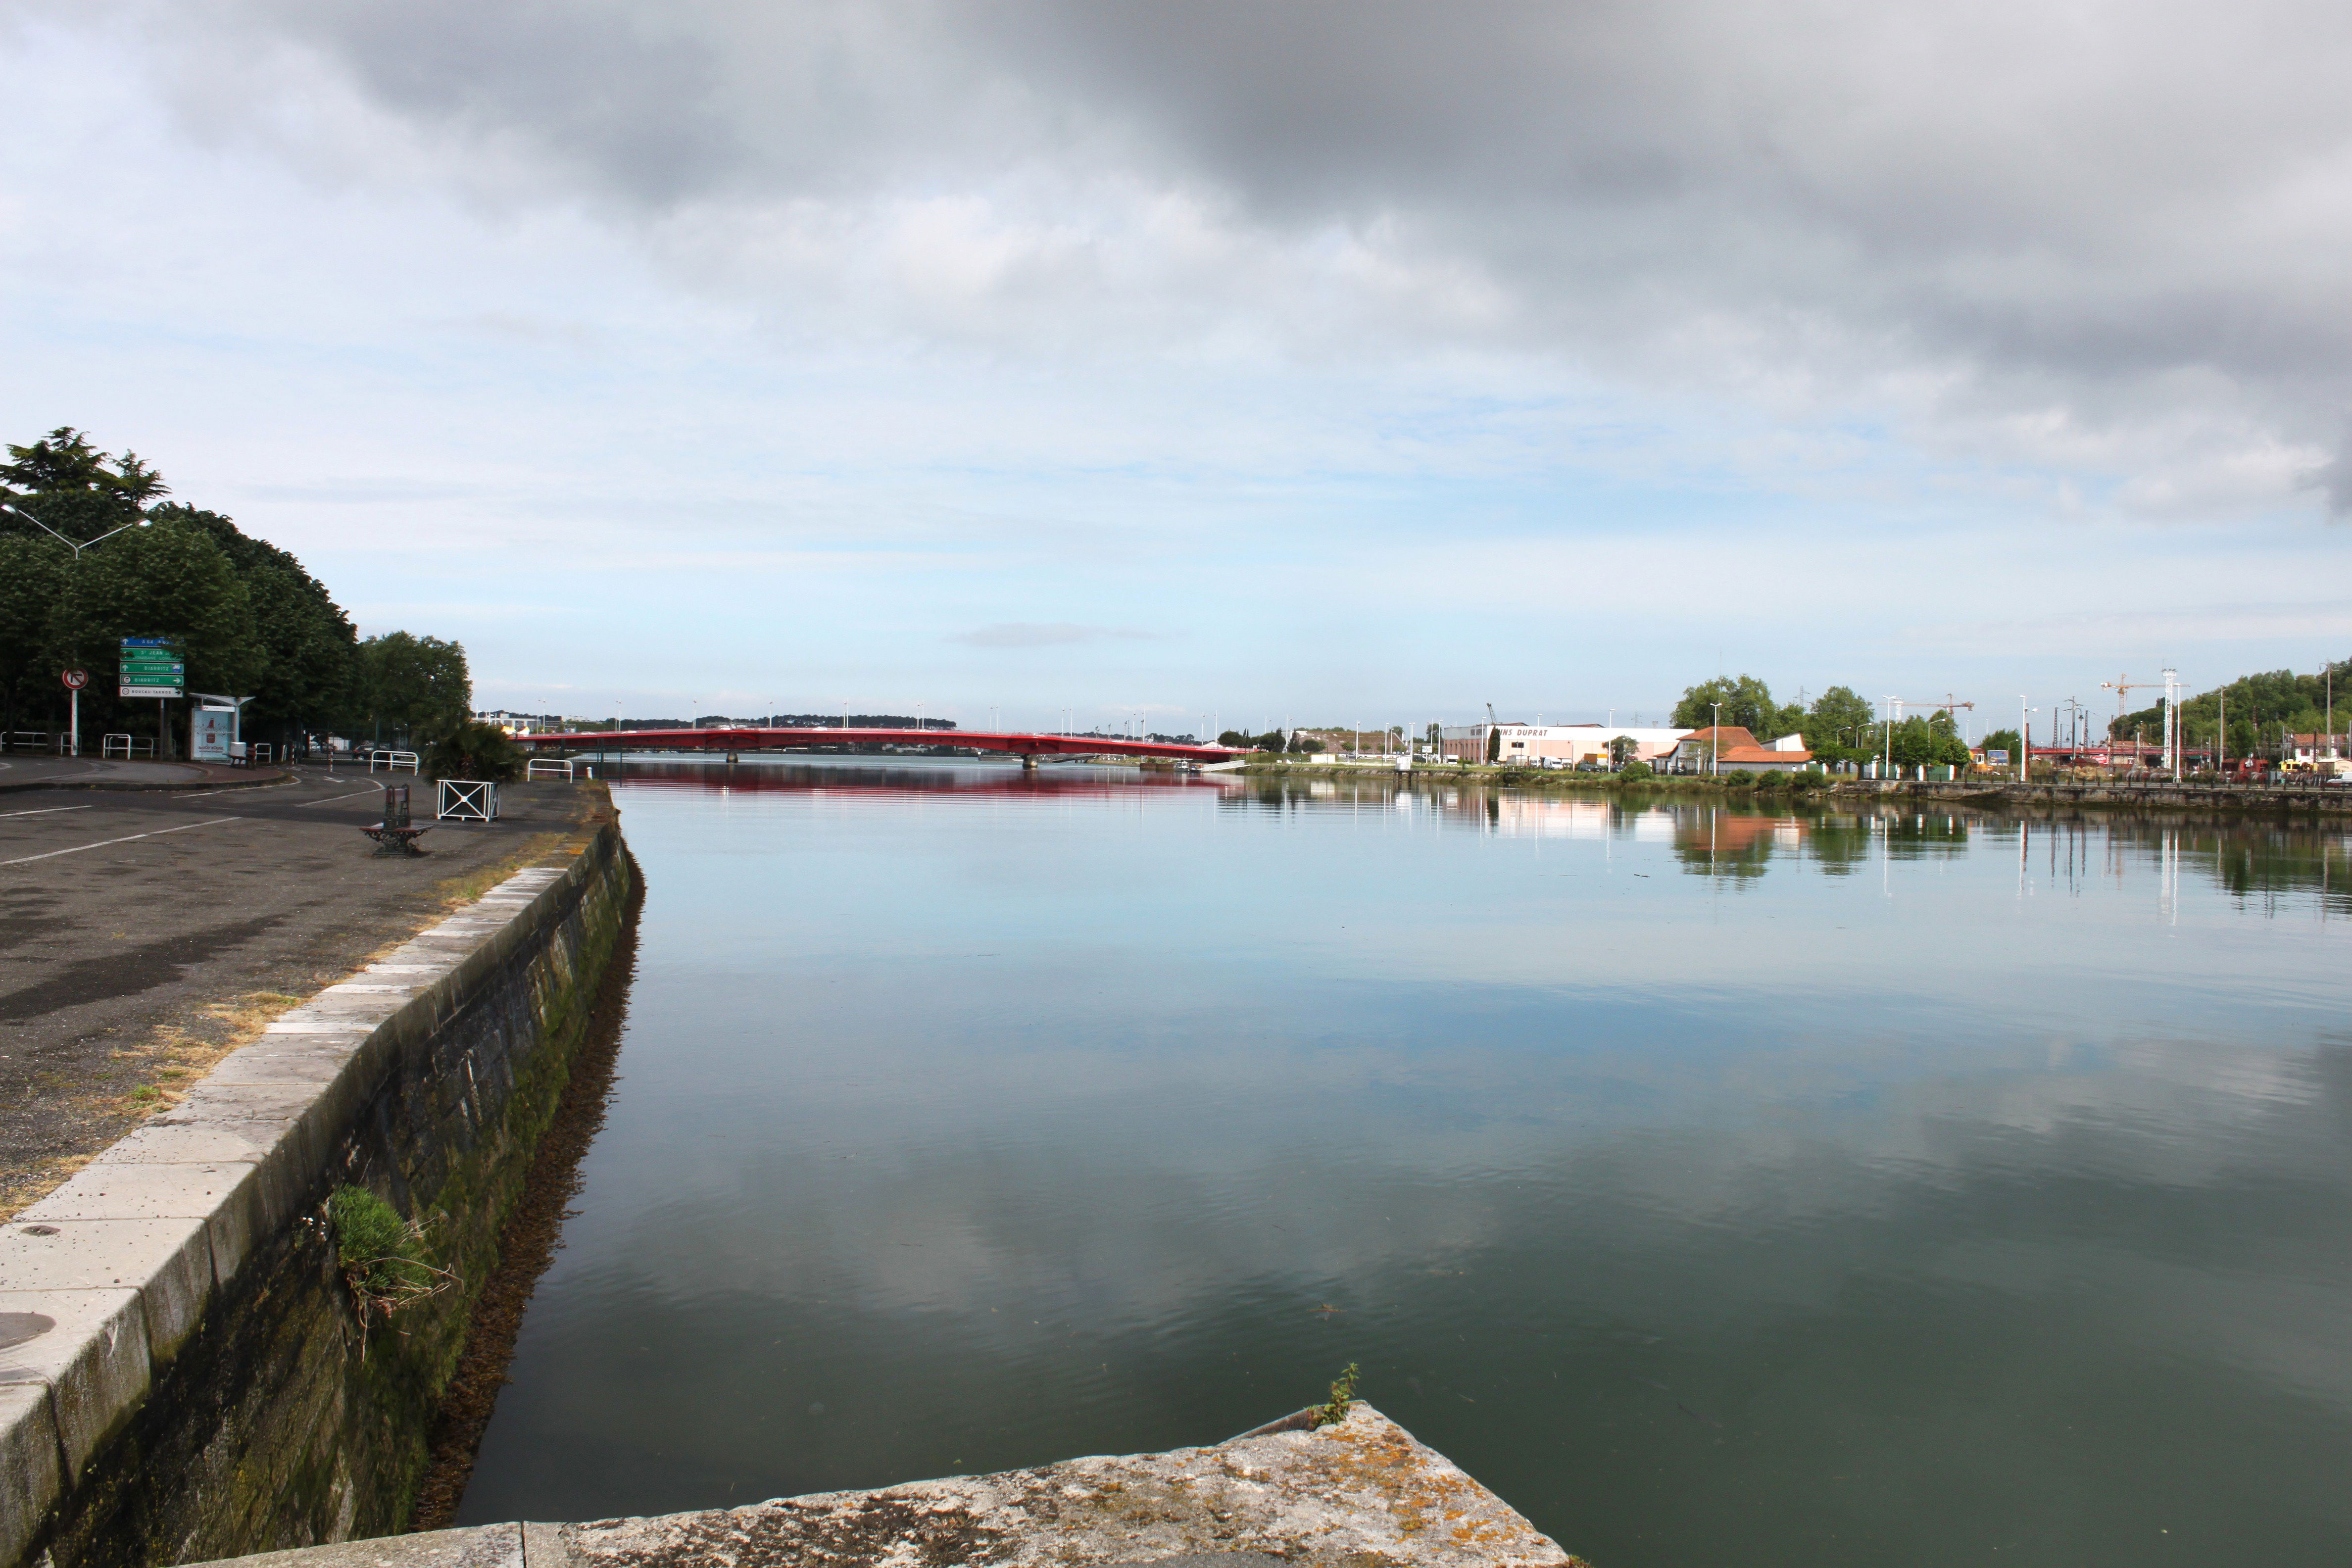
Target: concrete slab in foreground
{"type": "Point", "coordinates": [1360, 1494]}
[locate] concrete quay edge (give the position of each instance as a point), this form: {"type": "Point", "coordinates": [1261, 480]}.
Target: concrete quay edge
{"type": "Point", "coordinates": [104, 1281]}
{"type": "Point", "coordinates": [1360, 1492]}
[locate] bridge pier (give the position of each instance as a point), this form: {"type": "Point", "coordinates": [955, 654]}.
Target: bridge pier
{"type": "Point", "coordinates": [1028, 761]}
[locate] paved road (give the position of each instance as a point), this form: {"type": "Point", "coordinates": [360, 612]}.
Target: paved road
{"type": "Point", "coordinates": [143, 935]}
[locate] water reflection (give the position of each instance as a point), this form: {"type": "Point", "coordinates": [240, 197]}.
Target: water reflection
{"type": "Point", "coordinates": [1844, 1186]}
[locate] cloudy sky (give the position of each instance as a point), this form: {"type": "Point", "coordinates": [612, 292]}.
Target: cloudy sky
{"type": "Point", "coordinates": [1358, 362]}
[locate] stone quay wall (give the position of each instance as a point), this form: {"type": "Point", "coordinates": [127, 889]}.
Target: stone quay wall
{"type": "Point", "coordinates": [1303, 1492]}
{"type": "Point", "coordinates": [184, 1374]}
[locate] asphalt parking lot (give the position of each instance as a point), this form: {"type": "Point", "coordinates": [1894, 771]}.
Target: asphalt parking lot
{"type": "Point", "coordinates": [143, 935]}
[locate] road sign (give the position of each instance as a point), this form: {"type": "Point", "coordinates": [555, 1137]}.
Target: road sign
{"type": "Point", "coordinates": [151, 668]}
{"type": "Point", "coordinates": [75, 680]}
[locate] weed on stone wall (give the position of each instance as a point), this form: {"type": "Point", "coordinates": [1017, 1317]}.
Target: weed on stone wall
{"type": "Point", "coordinates": [386, 1260]}
{"type": "Point", "coordinates": [1343, 1399]}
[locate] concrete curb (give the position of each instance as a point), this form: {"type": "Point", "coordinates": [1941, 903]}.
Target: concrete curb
{"type": "Point", "coordinates": [104, 1279]}
{"type": "Point", "coordinates": [240, 780]}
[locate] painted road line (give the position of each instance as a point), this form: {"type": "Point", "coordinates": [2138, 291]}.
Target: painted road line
{"type": "Point", "coordinates": [44, 811]}
{"type": "Point", "coordinates": [332, 798]}
{"type": "Point", "coordinates": [126, 839]}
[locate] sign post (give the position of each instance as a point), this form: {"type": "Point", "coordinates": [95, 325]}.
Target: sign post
{"type": "Point", "coordinates": [151, 668]}
{"type": "Point", "coordinates": [75, 680]}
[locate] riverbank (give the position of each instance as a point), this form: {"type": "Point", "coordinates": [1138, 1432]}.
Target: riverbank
{"type": "Point", "coordinates": [149, 933]}
{"type": "Point", "coordinates": [237, 1330]}
{"type": "Point", "coordinates": [2267, 800]}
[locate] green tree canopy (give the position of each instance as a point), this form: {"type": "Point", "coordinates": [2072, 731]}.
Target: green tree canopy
{"type": "Point", "coordinates": [248, 619]}
{"type": "Point", "coordinates": [166, 581]}
{"type": "Point", "coordinates": [310, 650]}
{"type": "Point", "coordinates": [65, 482]}
{"type": "Point", "coordinates": [418, 685]}
{"type": "Point", "coordinates": [2258, 706]}
{"type": "Point", "coordinates": [1746, 703]}
{"type": "Point", "coordinates": [1839, 725]}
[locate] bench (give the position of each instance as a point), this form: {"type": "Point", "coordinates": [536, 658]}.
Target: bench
{"type": "Point", "coordinates": [395, 834]}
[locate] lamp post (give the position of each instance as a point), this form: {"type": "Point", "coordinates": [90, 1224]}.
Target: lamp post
{"type": "Point", "coordinates": [77, 546]}
{"type": "Point", "coordinates": [1714, 742]}
{"type": "Point", "coordinates": [2024, 737]}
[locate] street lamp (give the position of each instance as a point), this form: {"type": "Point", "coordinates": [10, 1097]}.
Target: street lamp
{"type": "Point", "coordinates": [77, 546]}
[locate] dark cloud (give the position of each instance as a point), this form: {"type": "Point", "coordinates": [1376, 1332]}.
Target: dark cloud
{"type": "Point", "coordinates": [2119, 215]}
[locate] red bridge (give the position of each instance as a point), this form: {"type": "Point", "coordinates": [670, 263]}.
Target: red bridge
{"type": "Point", "coordinates": [1028, 748]}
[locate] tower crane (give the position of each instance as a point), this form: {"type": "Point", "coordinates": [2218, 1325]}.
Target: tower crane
{"type": "Point", "coordinates": [1900, 703]}
{"type": "Point", "coordinates": [2121, 684]}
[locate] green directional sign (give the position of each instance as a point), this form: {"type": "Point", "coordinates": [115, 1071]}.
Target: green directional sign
{"type": "Point", "coordinates": [151, 668]}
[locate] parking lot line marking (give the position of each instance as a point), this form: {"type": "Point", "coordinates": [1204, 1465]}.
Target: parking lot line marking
{"type": "Point", "coordinates": [44, 811]}
{"type": "Point", "coordinates": [126, 839]}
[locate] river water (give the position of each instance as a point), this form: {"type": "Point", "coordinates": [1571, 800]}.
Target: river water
{"type": "Point", "coordinates": [1718, 1187]}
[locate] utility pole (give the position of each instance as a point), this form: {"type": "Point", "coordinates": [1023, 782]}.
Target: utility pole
{"type": "Point", "coordinates": [2172, 721]}
{"type": "Point", "coordinates": [1715, 743]}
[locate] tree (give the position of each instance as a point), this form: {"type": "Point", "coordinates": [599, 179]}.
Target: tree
{"type": "Point", "coordinates": [309, 650]}
{"type": "Point", "coordinates": [1838, 729]}
{"type": "Point", "coordinates": [167, 581]}
{"type": "Point", "coordinates": [1493, 743]}
{"type": "Point", "coordinates": [32, 581]}
{"type": "Point", "coordinates": [417, 686]}
{"type": "Point", "coordinates": [1746, 703]}
{"type": "Point", "coordinates": [475, 751]}
{"type": "Point", "coordinates": [65, 482]}
{"type": "Point", "coordinates": [2003, 741]}
{"type": "Point", "coordinates": [269, 630]}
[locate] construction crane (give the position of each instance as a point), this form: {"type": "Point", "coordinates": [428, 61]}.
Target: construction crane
{"type": "Point", "coordinates": [2121, 684]}
{"type": "Point", "coordinates": [1899, 703]}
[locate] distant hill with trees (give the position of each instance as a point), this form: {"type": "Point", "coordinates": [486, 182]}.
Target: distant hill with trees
{"type": "Point", "coordinates": [2258, 706]}
{"type": "Point", "coordinates": [247, 618]}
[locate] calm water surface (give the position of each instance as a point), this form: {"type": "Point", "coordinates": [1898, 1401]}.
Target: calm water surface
{"type": "Point", "coordinates": [1717, 1188]}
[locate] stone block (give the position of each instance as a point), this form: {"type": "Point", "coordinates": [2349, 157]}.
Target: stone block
{"type": "Point", "coordinates": [231, 1197]}
{"type": "Point", "coordinates": [474, 1546]}
{"type": "Point", "coordinates": [92, 1359]}
{"type": "Point", "coordinates": [31, 1469]}
{"type": "Point", "coordinates": [167, 1259]}
{"type": "Point", "coordinates": [280, 1183]}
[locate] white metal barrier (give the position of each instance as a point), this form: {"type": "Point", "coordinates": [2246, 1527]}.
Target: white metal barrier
{"type": "Point", "coordinates": [28, 741]}
{"type": "Point", "coordinates": [391, 761]}
{"type": "Point", "coordinates": [129, 747]}
{"type": "Point", "coordinates": [467, 800]}
{"type": "Point", "coordinates": [546, 768]}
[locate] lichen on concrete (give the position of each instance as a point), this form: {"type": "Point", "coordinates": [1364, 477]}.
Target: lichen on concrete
{"type": "Point", "coordinates": [1362, 1493]}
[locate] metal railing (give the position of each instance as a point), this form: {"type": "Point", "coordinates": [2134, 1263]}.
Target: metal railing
{"type": "Point", "coordinates": [542, 768]}
{"type": "Point", "coordinates": [391, 761]}
{"type": "Point", "coordinates": [128, 747]}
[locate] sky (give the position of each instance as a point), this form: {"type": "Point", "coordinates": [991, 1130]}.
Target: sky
{"type": "Point", "coordinates": [1364, 363]}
